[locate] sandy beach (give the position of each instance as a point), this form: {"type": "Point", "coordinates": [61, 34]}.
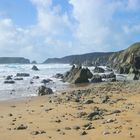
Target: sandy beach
{"type": "Point", "coordinates": [72, 116]}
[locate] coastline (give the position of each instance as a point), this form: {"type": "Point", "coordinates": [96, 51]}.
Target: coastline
{"type": "Point", "coordinates": [58, 116]}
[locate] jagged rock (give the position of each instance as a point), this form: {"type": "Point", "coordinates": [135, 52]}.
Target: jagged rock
{"type": "Point", "coordinates": [98, 70]}
{"type": "Point", "coordinates": [124, 69]}
{"type": "Point", "coordinates": [78, 75]}
{"type": "Point", "coordinates": [35, 68]}
{"type": "Point", "coordinates": [43, 90]}
{"type": "Point", "coordinates": [9, 82]}
{"type": "Point", "coordinates": [22, 74]}
{"type": "Point", "coordinates": [96, 114]}
{"type": "Point", "coordinates": [96, 79]}
{"type": "Point", "coordinates": [9, 77]}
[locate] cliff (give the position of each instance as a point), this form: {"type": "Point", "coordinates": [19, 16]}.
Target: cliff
{"type": "Point", "coordinates": [10, 60]}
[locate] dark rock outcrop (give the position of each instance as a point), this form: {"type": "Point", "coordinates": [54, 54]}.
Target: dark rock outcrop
{"type": "Point", "coordinates": [35, 68]}
{"type": "Point", "coordinates": [43, 90]}
{"type": "Point", "coordinates": [77, 75]}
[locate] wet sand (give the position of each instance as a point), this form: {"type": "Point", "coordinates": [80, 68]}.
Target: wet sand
{"type": "Point", "coordinates": [65, 116]}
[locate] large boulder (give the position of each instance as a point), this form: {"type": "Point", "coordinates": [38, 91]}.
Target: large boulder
{"type": "Point", "coordinates": [98, 70]}
{"type": "Point", "coordinates": [96, 79]}
{"type": "Point", "coordinates": [35, 68]}
{"type": "Point", "coordinates": [43, 90]}
{"type": "Point", "coordinates": [78, 75]}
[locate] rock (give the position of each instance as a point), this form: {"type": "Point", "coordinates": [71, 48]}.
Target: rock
{"type": "Point", "coordinates": [98, 70]}
{"type": "Point", "coordinates": [22, 75]}
{"type": "Point", "coordinates": [110, 75]}
{"type": "Point", "coordinates": [34, 62]}
{"type": "Point", "coordinates": [116, 111]}
{"type": "Point", "coordinates": [9, 77]}
{"type": "Point", "coordinates": [10, 114]}
{"type": "Point", "coordinates": [18, 79]}
{"type": "Point", "coordinates": [38, 132]}
{"type": "Point", "coordinates": [9, 82]}
{"type": "Point", "coordinates": [77, 75]}
{"type": "Point", "coordinates": [22, 127]}
{"type": "Point", "coordinates": [35, 68]}
{"type": "Point", "coordinates": [105, 99]}
{"type": "Point", "coordinates": [76, 127]}
{"type": "Point", "coordinates": [43, 90]}
{"type": "Point", "coordinates": [96, 79]}
{"type": "Point", "coordinates": [96, 114]}
{"type": "Point", "coordinates": [106, 132]}
{"type": "Point", "coordinates": [83, 133]}
{"type": "Point", "coordinates": [36, 77]}
{"type": "Point", "coordinates": [81, 114]}
{"type": "Point", "coordinates": [124, 69]}
{"type": "Point", "coordinates": [67, 128]}
{"type": "Point", "coordinates": [88, 102]}
{"type": "Point", "coordinates": [88, 126]}
{"type": "Point", "coordinates": [45, 81]}
{"type": "Point", "coordinates": [34, 132]}
{"type": "Point", "coordinates": [59, 76]}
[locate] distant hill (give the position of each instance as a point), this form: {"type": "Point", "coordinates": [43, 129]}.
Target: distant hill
{"type": "Point", "coordinates": [114, 59]}
{"type": "Point", "coordinates": [10, 60]}
{"type": "Point", "coordinates": [86, 59]}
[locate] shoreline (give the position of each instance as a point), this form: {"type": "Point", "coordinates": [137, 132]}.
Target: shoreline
{"type": "Point", "coordinates": [66, 115]}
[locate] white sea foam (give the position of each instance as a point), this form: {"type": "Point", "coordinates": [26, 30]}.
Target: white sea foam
{"type": "Point", "coordinates": [24, 88]}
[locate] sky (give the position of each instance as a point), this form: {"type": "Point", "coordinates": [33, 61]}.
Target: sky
{"type": "Point", "coordinates": [40, 29]}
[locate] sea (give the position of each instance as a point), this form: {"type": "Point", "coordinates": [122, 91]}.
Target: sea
{"type": "Point", "coordinates": [28, 87]}
{"type": "Point", "coordinates": [24, 88]}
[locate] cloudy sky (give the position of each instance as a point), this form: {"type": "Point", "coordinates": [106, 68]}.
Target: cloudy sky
{"type": "Point", "coordinates": [38, 29]}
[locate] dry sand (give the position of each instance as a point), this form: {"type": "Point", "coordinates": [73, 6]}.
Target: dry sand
{"type": "Point", "coordinates": [55, 118]}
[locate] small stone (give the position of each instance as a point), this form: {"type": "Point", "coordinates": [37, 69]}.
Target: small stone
{"type": "Point", "coordinates": [76, 127]}
{"type": "Point", "coordinates": [58, 121]}
{"type": "Point", "coordinates": [116, 111]}
{"type": "Point", "coordinates": [22, 127]}
{"type": "Point", "coordinates": [34, 132]}
{"type": "Point", "coordinates": [83, 133]}
{"type": "Point", "coordinates": [67, 128]}
{"type": "Point", "coordinates": [58, 130]}
{"type": "Point", "coordinates": [10, 114]}
{"type": "Point", "coordinates": [106, 133]}
{"type": "Point", "coordinates": [88, 102]}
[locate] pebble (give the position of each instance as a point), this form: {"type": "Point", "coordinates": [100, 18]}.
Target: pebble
{"type": "Point", "coordinates": [83, 133]}
{"type": "Point", "coordinates": [22, 127]}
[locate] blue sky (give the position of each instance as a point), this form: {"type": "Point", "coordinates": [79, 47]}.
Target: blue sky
{"type": "Point", "coordinates": [38, 29]}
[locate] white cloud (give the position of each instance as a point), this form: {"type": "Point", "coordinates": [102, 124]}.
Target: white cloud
{"type": "Point", "coordinates": [92, 26]}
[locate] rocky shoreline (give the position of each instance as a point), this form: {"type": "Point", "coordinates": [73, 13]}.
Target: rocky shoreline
{"type": "Point", "coordinates": [98, 111]}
